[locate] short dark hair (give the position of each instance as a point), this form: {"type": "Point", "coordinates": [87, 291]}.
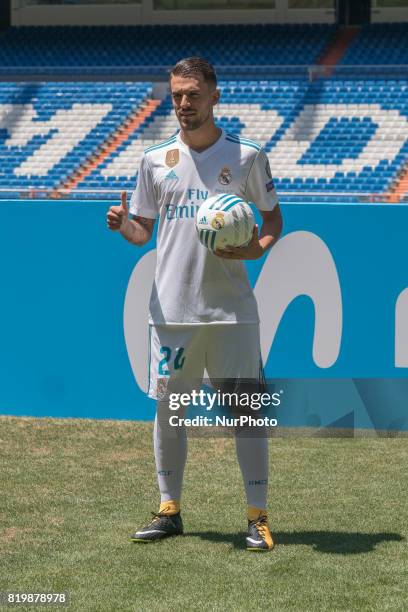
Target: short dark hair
{"type": "Point", "coordinates": [191, 66]}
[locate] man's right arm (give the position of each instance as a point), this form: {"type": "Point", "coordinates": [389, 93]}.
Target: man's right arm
{"type": "Point", "coordinates": [137, 230]}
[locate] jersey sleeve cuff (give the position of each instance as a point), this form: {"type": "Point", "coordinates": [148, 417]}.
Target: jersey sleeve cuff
{"type": "Point", "coordinates": [148, 213]}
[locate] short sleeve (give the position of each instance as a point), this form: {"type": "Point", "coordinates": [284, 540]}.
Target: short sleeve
{"type": "Point", "coordinates": [143, 201]}
{"type": "Point", "coordinates": [260, 188]}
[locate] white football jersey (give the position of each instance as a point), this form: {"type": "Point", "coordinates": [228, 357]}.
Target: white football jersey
{"type": "Point", "coordinates": [192, 286]}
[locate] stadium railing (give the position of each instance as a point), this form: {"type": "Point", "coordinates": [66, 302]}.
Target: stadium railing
{"type": "Point", "coordinates": [286, 197]}
{"type": "Point", "coordinates": [143, 72]}
{"type": "Point", "coordinates": [160, 73]}
{"type": "Point", "coordinates": [340, 71]}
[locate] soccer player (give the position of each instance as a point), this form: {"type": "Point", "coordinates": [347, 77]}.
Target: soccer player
{"type": "Point", "coordinates": [203, 313]}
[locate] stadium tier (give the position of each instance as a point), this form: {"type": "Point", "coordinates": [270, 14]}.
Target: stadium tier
{"type": "Point", "coordinates": [101, 48]}
{"type": "Point", "coordinates": [49, 130]}
{"type": "Point", "coordinates": [379, 44]}
{"type": "Point", "coordinates": [325, 136]}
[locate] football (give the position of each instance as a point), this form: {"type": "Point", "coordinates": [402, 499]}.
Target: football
{"type": "Point", "coordinates": [224, 220]}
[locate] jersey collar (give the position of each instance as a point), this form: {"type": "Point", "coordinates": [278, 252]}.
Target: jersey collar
{"type": "Point", "coordinates": [209, 151]}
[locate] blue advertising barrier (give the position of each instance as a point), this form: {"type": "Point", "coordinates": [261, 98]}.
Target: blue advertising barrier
{"type": "Point", "coordinates": [332, 295]}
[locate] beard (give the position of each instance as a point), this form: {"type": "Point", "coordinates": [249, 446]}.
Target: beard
{"type": "Point", "coordinates": [193, 122]}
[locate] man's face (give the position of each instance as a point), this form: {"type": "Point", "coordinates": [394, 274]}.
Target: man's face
{"type": "Point", "coordinates": [193, 101]}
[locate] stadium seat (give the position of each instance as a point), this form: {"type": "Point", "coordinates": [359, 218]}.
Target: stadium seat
{"type": "Point", "coordinates": [334, 134]}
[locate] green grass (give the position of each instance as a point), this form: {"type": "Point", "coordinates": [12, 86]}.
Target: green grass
{"type": "Point", "coordinates": [73, 490]}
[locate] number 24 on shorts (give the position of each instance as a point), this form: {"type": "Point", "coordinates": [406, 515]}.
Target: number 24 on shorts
{"type": "Point", "coordinates": [178, 360]}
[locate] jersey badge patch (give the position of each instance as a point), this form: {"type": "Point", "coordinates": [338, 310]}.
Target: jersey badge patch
{"type": "Point", "coordinates": [172, 158]}
{"type": "Point", "coordinates": [225, 176]}
{"type": "Point", "coordinates": [171, 176]}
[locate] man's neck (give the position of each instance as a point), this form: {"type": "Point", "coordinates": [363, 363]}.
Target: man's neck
{"type": "Point", "coordinates": [201, 139]}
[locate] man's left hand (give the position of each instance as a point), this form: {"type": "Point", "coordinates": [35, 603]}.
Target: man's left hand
{"type": "Point", "coordinates": [253, 250]}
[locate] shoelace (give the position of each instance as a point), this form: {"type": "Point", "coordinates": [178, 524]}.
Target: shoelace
{"type": "Point", "coordinates": [157, 516]}
{"type": "Point", "coordinates": [261, 525]}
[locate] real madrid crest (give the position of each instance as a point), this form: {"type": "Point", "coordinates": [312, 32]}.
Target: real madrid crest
{"type": "Point", "coordinates": [172, 157]}
{"type": "Point", "coordinates": [225, 176]}
{"type": "Point", "coordinates": [218, 221]}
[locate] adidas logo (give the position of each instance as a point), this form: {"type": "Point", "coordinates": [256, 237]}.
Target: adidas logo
{"type": "Point", "coordinates": [171, 175]}
{"type": "Point", "coordinates": [203, 220]}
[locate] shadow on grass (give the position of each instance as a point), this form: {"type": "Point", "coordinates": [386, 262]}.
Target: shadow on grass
{"type": "Point", "coordinates": [337, 542]}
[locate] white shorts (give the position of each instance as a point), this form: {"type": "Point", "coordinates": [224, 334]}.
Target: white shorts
{"type": "Point", "coordinates": [181, 353]}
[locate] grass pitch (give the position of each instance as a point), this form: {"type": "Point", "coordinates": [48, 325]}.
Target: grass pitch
{"type": "Point", "coordinates": [73, 490]}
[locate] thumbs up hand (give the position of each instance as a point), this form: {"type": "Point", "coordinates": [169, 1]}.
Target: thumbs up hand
{"type": "Point", "coordinates": [117, 215]}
